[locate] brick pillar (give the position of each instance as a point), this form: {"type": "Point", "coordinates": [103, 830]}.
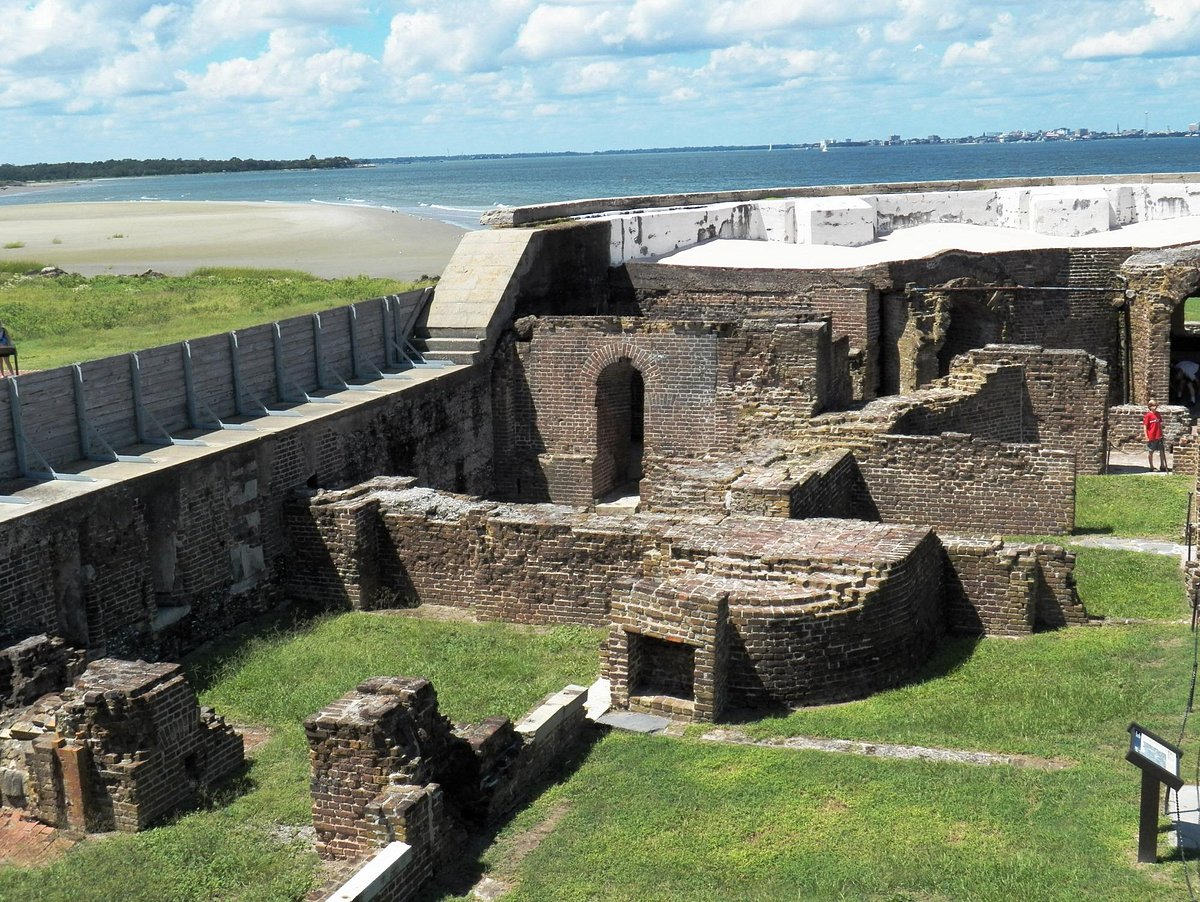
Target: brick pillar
{"type": "Point", "coordinates": [74, 762]}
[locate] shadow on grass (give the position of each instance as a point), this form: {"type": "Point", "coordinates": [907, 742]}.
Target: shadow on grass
{"type": "Point", "coordinates": [948, 657]}
{"type": "Point", "coordinates": [464, 867]}
{"type": "Point", "coordinates": [208, 663]}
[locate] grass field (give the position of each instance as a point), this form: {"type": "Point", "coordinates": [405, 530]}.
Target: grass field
{"type": "Point", "coordinates": [56, 321]}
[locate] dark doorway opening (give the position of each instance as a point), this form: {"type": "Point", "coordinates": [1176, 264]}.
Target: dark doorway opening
{"type": "Point", "coordinates": [660, 667]}
{"type": "Point", "coordinates": [620, 430]}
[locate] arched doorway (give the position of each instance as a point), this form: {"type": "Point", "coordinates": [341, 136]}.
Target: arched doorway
{"type": "Point", "coordinates": [620, 430]}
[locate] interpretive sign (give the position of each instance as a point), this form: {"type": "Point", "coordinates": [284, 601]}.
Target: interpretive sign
{"type": "Point", "coordinates": [1159, 763]}
{"type": "Point", "coordinates": [1153, 753]}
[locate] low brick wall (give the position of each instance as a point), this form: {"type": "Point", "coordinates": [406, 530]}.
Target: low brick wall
{"type": "Point", "coordinates": [1126, 434]}
{"type": "Point", "coordinates": [385, 763]}
{"type": "Point", "coordinates": [998, 588]}
{"type": "Point", "coordinates": [123, 746]}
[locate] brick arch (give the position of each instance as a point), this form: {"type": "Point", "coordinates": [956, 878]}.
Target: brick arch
{"type": "Point", "coordinates": [611, 352]}
{"type": "Point", "coordinates": [609, 376]}
{"type": "Point", "coordinates": [1158, 282]}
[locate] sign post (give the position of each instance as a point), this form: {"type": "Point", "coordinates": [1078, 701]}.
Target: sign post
{"type": "Point", "coordinates": [1159, 763]}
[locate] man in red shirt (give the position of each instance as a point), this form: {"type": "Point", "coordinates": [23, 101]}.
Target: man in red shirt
{"type": "Point", "coordinates": [1152, 424]}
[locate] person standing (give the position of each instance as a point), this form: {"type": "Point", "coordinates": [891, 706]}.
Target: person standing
{"type": "Point", "coordinates": [1152, 425]}
{"type": "Point", "coordinates": [7, 351]}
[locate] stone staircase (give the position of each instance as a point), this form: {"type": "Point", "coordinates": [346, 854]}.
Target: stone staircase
{"type": "Point", "coordinates": [474, 299]}
{"type": "Point", "coordinates": [459, 346]}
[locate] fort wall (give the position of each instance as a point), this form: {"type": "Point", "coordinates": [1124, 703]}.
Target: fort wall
{"type": "Point", "coordinates": [154, 558]}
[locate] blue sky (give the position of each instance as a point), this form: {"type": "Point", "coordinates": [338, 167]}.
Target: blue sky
{"type": "Point", "coordinates": [93, 79]}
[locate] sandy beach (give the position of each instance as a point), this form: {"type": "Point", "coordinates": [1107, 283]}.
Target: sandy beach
{"type": "Point", "coordinates": [326, 240]}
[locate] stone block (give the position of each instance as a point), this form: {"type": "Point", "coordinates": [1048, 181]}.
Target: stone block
{"type": "Point", "coordinates": [839, 221]}
{"type": "Point", "coordinates": [1069, 213]}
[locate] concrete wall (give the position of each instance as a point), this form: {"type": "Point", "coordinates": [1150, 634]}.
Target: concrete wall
{"type": "Point", "coordinates": [352, 341]}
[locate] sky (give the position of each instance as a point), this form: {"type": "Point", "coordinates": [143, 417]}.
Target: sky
{"type": "Point", "coordinates": [283, 79]}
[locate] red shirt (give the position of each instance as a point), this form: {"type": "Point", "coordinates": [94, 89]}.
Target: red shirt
{"type": "Point", "coordinates": [1152, 423]}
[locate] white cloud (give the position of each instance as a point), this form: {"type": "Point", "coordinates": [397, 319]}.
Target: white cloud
{"type": "Point", "coordinates": [54, 35]}
{"type": "Point", "coordinates": [596, 78]}
{"type": "Point", "coordinates": [36, 92]}
{"type": "Point", "coordinates": [748, 64]}
{"type": "Point", "coordinates": [467, 37]}
{"type": "Point", "coordinates": [222, 19]}
{"type": "Point", "coordinates": [144, 72]}
{"type": "Point", "coordinates": [1173, 30]}
{"type": "Point", "coordinates": [296, 64]}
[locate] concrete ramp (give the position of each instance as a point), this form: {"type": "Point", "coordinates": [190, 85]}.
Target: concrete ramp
{"type": "Point", "coordinates": [475, 297]}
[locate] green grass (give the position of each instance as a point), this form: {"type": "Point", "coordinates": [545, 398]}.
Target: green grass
{"type": "Point", "coordinates": [1191, 310]}
{"type": "Point", "coordinates": [651, 819]}
{"type": "Point", "coordinates": [648, 818]}
{"type": "Point", "coordinates": [57, 321]}
{"type": "Point", "coordinates": [13, 245]}
{"type": "Point", "coordinates": [1132, 506]}
{"type": "Point", "coordinates": [1116, 583]}
{"type": "Point", "coordinates": [231, 850]}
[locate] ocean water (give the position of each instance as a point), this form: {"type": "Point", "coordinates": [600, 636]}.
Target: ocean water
{"type": "Point", "coordinates": [460, 191]}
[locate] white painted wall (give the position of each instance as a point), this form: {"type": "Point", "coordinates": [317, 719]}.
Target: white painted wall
{"type": "Point", "coordinates": [652, 233]}
{"type": "Point", "coordinates": [840, 221]}
{"type": "Point", "coordinates": [852, 221]}
{"type": "Point", "coordinates": [1069, 212]}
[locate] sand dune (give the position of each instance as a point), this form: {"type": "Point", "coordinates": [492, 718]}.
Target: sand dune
{"type": "Point", "coordinates": [172, 237]}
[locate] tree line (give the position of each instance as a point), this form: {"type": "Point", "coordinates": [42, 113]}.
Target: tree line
{"type": "Point", "coordinates": [107, 169]}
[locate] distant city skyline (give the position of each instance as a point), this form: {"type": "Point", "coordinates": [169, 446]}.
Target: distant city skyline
{"type": "Point", "coordinates": [100, 79]}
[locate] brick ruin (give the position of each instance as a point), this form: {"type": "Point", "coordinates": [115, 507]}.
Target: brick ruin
{"type": "Point", "coordinates": [389, 770]}
{"type": "Point", "coordinates": [769, 488]}
{"type": "Point", "coordinates": [121, 745]}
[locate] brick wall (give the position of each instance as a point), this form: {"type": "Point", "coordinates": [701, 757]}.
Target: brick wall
{"type": "Point", "coordinates": [962, 484]}
{"type": "Point", "coordinates": [999, 588]}
{"type": "Point", "coordinates": [707, 387]}
{"type": "Point", "coordinates": [205, 538]}
{"type": "Point", "coordinates": [1085, 317]}
{"type": "Point", "coordinates": [123, 746]}
{"type": "Point", "coordinates": [1066, 396]}
{"type": "Point", "coordinates": [1126, 433]}
{"type": "Point", "coordinates": [387, 768]}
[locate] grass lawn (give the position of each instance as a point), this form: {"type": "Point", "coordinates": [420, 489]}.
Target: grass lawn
{"type": "Point", "coordinates": [1132, 505]}
{"type": "Point", "coordinates": [235, 849]}
{"type": "Point", "coordinates": [1191, 310]}
{"type": "Point", "coordinates": [56, 321]}
{"type": "Point", "coordinates": [649, 818]}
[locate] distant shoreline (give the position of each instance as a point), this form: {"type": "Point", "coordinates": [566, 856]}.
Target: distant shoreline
{"type": "Point", "coordinates": [176, 237]}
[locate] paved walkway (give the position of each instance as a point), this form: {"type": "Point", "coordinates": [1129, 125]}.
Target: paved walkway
{"type": "Point", "coordinates": [884, 750]}
{"type": "Point", "coordinates": [27, 843]}
{"type": "Point", "coordinates": [1149, 546]}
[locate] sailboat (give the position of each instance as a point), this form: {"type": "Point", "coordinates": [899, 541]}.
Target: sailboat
{"type": "Point", "coordinates": [824, 147]}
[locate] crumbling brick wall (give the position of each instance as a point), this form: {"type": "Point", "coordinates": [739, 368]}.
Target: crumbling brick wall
{"type": "Point", "coordinates": [388, 767]}
{"type": "Point", "coordinates": [961, 484]}
{"type": "Point", "coordinates": [1065, 399]}
{"type": "Point", "coordinates": [123, 746]}
{"type": "Point", "coordinates": [1126, 433]}
{"type": "Point", "coordinates": [1001, 588]}
{"type": "Point", "coordinates": [707, 387]}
